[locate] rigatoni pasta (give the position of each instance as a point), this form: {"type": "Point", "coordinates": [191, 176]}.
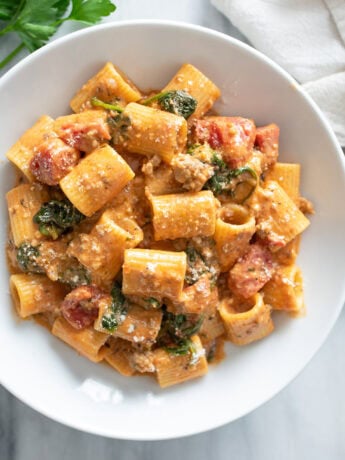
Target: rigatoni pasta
{"type": "Point", "coordinates": [96, 179]}
{"type": "Point", "coordinates": [183, 215]}
{"type": "Point", "coordinates": [23, 203]}
{"type": "Point", "coordinates": [189, 79]}
{"type": "Point", "coordinates": [21, 153]}
{"type": "Point", "coordinates": [153, 131]}
{"type": "Point", "coordinates": [109, 85]}
{"type": "Point", "coordinates": [34, 294]}
{"type": "Point", "coordinates": [153, 273]}
{"type": "Point", "coordinates": [145, 231]}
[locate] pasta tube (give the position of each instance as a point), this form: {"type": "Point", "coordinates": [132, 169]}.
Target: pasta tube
{"type": "Point", "coordinates": [102, 250]}
{"type": "Point", "coordinates": [96, 179]}
{"type": "Point", "coordinates": [120, 357]}
{"type": "Point", "coordinates": [287, 175]}
{"type": "Point", "coordinates": [278, 218]}
{"type": "Point", "coordinates": [285, 290]}
{"type": "Point", "coordinates": [192, 81]}
{"type": "Point", "coordinates": [183, 215]}
{"type": "Point", "coordinates": [35, 294]}
{"type": "Point", "coordinates": [87, 342]}
{"type": "Point", "coordinates": [234, 229]}
{"type": "Point", "coordinates": [108, 85]}
{"type": "Point", "coordinates": [153, 131]}
{"type": "Point", "coordinates": [140, 326]}
{"type": "Point", "coordinates": [22, 152]}
{"type": "Point", "coordinates": [246, 321]}
{"type": "Point", "coordinates": [152, 273]}
{"type": "Point", "coordinates": [171, 369]}
{"type": "Point", "coordinates": [23, 203]}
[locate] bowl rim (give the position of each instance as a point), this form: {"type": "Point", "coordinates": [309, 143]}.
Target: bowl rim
{"type": "Point", "coordinates": [83, 426]}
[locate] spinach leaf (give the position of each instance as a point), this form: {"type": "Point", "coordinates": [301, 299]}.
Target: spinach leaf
{"type": "Point", "coordinates": [196, 266]}
{"type": "Point", "coordinates": [75, 275]}
{"type": "Point", "coordinates": [176, 331]}
{"type": "Point", "coordinates": [239, 183]}
{"type": "Point", "coordinates": [55, 217]}
{"type": "Point", "coordinates": [117, 313]}
{"type": "Point", "coordinates": [176, 101]}
{"type": "Point", "coordinates": [27, 256]}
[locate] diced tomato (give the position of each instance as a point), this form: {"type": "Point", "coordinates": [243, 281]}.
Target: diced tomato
{"type": "Point", "coordinates": [83, 133]}
{"type": "Point", "coordinates": [80, 307]}
{"type": "Point", "coordinates": [53, 160]}
{"type": "Point", "coordinates": [267, 141]}
{"type": "Point", "coordinates": [251, 272]}
{"type": "Point", "coordinates": [233, 136]}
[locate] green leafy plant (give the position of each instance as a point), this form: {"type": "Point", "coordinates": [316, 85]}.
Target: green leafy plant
{"type": "Point", "coordinates": [196, 265]}
{"type": "Point", "coordinates": [231, 181]}
{"type": "Point", "coordinates": [183, 347]}
{"type": "Point", "coordinates": [176, 332]}
{"type": "Point", "coordinates": [177, 102]}
{"type": "Point", "coordinates": [75, 275]}
{"type": "Point", "coordinates": [105, 105]}
{"type": "Point", "coordinates": [27, 256]}
{"type": "Point", "coordinates": [36, 21]}
{"type": "Point", "coordinates": [112, 319]}
{"type": "Point", "coordinates": [55, 217]}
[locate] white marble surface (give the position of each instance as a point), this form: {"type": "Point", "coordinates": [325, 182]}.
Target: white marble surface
{"type": "Point", "coordinates": [305, 421]}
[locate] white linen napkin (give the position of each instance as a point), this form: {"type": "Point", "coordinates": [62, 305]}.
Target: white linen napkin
{"type": "Point", "coordinates": [307, 38]}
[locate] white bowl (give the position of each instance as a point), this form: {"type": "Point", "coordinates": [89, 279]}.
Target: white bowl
{"type": "Point", "coordinates": [50, 377]}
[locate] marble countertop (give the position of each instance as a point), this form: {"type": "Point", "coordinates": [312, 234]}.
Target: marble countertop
{"type": "Point", "coordinates": [305, 421]}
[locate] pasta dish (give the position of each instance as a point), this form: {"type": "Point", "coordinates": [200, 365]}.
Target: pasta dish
{"type": "Point", "coordinates": [146, 230]}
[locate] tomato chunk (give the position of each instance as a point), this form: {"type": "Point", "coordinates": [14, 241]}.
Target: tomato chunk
{"type": "Point", "coordinates": [53, 160]}
{"type": "Point", "coordinates": [80, 307]}
{"type": "Point", "coordinates": [84, 131]}
{"type": "Point", "coordinates": [251, 272]}
{"type": "Point", "coordinates": [232, 136]}
{"type": "Point", "coordinates": [267, 141]}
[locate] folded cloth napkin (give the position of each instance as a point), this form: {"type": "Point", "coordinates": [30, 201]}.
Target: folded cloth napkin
{"type": "Point", "coordinates": [307, 38]}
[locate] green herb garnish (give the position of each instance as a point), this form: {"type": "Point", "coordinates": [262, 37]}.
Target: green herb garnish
{"type": "Point", "coordinates": [239, 183]}
{"type": "Point", "coordinates": [56, 217]}
{"type": "Point", "coordinates": [112, 319]}
{"type": "Point", "coordinates": [191, 148]}
{"type": "Point", "coordinates": [196, 266]}
{"type": "Point", "coordinates": [176, 101]}
{"type": "Point", "coordinates": [35, 21]}
{"type": "Point", "coordinates": [119, 125]}
{"type": "Point", "coordinates": [183, 347]}
{"type": "Point", "coordinates": [98, 103]}
{"type": "Point", "coordinates": [75, 276]}
{"type": "Point", "coordinates": [176, 330]}
{"type": "Point", "coordinates": [27, 258]}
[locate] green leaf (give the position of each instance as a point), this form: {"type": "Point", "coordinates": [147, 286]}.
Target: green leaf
{"type": "Point", "coordinates": [61, 7]}
{"type": "Point", "coordinates": [117, 310]}
{"type": "Point", "coordinates": [90, 11]}
{"type": "Point", "coordinates": [75, 275]}
{"type": "Point", "coordinates": [27, 256]}
{"type": "Point", "coordinates": [182, 348]}
{"type": "Point", "coordinates": [177, 328]}
{"type": "Point", "coordinates": [196, 266]}
{"type": "Point", "coordinates": [55, 217]}
{"type": "Point", "coordinates": [8, 9]}
{"type": "Point", "coordinates": [176, 101]}
{"type": "Point", "coordinates": [37, 21]}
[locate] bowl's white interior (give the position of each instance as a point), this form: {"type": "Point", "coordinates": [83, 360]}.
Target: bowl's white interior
{"type": "Point", "coordinates": [52, 378]}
